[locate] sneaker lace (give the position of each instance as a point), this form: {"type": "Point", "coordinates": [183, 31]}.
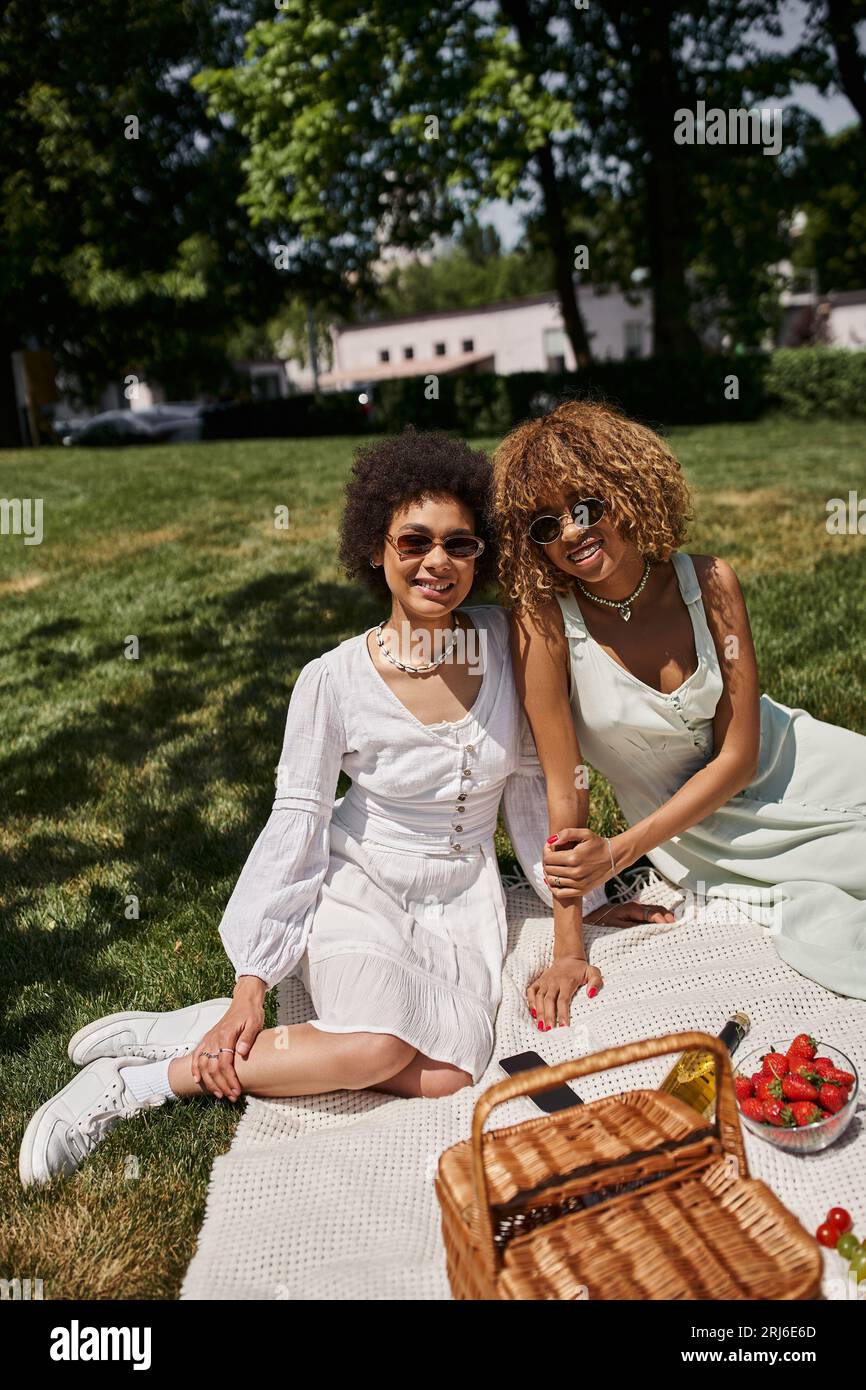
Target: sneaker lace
{"type": "Point", "coordinates": [154, 1051]}
{"type": "Point", "coordinates": [86, 1132]}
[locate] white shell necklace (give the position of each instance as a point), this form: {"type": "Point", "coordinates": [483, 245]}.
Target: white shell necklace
{"type": "Point", "coordinates": [404, 665]}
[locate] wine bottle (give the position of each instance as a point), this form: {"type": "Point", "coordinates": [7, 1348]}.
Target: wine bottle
{"type": "Point", "coordinates": [692, 1078]}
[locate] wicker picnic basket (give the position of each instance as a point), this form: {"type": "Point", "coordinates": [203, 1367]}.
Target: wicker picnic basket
{"type": "Point", "coordinates": [516, 1221]}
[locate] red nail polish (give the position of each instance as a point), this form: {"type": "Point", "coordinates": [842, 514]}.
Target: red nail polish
{"type": "Point", "coordinates": [532, 1011]}
{"type": "Point", "coordinates": [592, 992]}
{"type": "Point", "coordinates": [540, 1026]}
{"type": "Point", "coordinates": [553, 839]}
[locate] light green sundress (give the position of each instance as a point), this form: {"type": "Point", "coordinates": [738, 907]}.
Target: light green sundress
{"type": "Point", "coordinates": [790, 849]}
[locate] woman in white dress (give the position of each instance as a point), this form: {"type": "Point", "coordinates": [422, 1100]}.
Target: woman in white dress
{"type": "Point", "coordinates": [387, 903]}
{"type": "Point", "coordinates": [640, 658]}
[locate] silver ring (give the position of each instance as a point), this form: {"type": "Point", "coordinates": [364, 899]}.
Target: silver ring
{"type": "Point", "coordinates": [557, 882]}
{"type": "Point", "coordinates": [210, 1054]}
{"type": "Point", "coordinates": [225, 1049]}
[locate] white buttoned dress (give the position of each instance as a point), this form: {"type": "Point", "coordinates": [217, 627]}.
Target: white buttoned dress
{"type": "Point", "coordinates": [388, 902]}
{"type": "Point", "coordinates": [790, 849]}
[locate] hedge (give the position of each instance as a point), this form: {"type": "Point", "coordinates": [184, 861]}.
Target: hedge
{"type": "Point", "coordinates": [699, 389]}
{"type": "Point", "coordinates": [340, 413]}
{"type": "Point", "coordinates": [817, 381]}
{"type": "Point", "coordinates": [657, 390]}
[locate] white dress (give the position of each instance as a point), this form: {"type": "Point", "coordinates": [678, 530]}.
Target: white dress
{"type": "Point", "coordinates": [790, 849]}
{"type": "Point", "coordinates": [388, 902]}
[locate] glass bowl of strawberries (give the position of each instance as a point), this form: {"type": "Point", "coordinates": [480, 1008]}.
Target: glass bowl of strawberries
{"type": "Point", "coordinates": [799, 1095]}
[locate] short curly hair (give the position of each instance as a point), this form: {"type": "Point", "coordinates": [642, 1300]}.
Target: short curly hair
{"type": "Point", "coordinates": [590, 448]}
{"type": "Point", "coordinates": [411, 467]}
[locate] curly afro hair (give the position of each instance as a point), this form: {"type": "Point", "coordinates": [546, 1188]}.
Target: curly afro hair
{"type": "Point", "coordinates": [590, 448]}
{"type": "Point", "coordinates": [411, 467]}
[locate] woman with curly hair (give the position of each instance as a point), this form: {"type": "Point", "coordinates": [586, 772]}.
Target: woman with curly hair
{"type": "Point", "coordinates": [386, 903]}
{"type": "Point", "coordinates": [640, 657]}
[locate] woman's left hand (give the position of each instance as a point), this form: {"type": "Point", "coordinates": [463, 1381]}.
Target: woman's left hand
{"type": "Point", "coordinates": [550, 994]}
{"type": "Point", "coordinates": [570, 873]}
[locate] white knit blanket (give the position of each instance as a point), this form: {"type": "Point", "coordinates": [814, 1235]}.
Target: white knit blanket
{"type": "Point", "coordinates": [331, 1196]}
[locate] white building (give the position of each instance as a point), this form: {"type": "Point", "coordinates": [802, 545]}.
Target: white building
{"type": "Point", "coordinates": [513, 335]}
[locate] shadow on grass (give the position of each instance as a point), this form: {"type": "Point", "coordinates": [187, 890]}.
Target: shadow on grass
{"type": "Point", "coordinates": [208, 706]}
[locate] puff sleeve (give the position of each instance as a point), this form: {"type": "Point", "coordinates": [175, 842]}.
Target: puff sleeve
{"type": "Point", "coordinates": [524, 811]}
{"type": "Point", "coordinates": [266, 922]}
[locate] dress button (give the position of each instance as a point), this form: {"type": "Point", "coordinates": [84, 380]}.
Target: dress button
{"type": "Point", "coordinates": [470, 748]}
{"type": "Point", "coordinates": [467, 772]}
{"type": "Point", "coordinates": [461, 796]}
{"type": "Point", "coordinates": [455, 847]}
{"type": "Point", "coordinates": [458, 827]}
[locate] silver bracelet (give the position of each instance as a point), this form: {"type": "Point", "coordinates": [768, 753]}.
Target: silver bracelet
{"type": "Point", "coordinates": [610, 852]}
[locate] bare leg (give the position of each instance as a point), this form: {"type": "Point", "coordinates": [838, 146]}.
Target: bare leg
{"type": "Point", "coordinates": [425, 1077]}
{"type": "Point", "coordinates": [305, 1061]}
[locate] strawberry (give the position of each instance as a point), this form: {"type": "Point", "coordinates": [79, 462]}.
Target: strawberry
{"type": "Point", "coordinates": [797, 1088]}
{"type": "Point", "coordinates": [753, 1107]}
{"type": "Point", "coordinates": [831, 1097]}
{"type": "Point", "coordinates": [768, 1088]}
{"type": "Point", "coordinates": [775, 1113]}
{"type": "Point", "coordinates": [805, 1112]}
{"type": "Point", "coordinates": [808, 1072]}
{"type": "Point", "coordinates": [839, 1078]}
{"type": "Point", "coordinates": [803, 1045]}
{"type": "Point", "coordinates": [743, 1087]}
{"type": "Point", "coordinates": [823, 1064]}
{"type": "Point", "coordinates": [775, 1063]}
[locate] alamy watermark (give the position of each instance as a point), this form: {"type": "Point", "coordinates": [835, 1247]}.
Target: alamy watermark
{"type": "Point", "coordinates": [736, 126]}
{"type": "Point", "coordinates": [22, 516]}
{"type": "Point", "coordinates": [421, 647]}
{"type": "Point", "coordinates": [846, 518]}
{"type": "Point", "coordinates": [21, 1290]}
{"type": "Point", "coordinates": [764, 902]}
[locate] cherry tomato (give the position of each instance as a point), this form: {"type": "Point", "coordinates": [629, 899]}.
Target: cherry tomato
{"type": "Point", "coordinates": [827, 1235]}
{"type": "Point", "coordinates": [858, 1265]}
{"type": "Point", "coordinates": [847, 1245]}
{"type": "Point", "coordinates": [838, 1217]}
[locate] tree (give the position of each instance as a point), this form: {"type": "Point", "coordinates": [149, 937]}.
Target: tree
{"type": "Point", "coordinates": [375, 122]}
{"type": "Point", "coordinates": [832, 26]}
{"type": "Point", "coordinates": [833, 243]}
{"type": "Point", "coordinates": [124, 248]}
{"type": "Point", "coordinates": [461, 278]}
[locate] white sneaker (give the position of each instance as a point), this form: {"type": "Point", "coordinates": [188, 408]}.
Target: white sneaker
{"type": "Point", "coordinates": [69, 1126]}
{"type": "Point", "coordinates": [153, 1036]}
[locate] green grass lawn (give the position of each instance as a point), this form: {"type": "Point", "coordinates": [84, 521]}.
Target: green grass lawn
{"type": "Point", "coordinates": [153, 776]}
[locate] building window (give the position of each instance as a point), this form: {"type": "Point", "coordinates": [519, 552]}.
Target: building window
{"type": "Point", "coordinates": [265, 386]}
{"type": "Point", "coordinates": [439, 349]}
{"type": "Point", "coordinates": [468, 344]}
{"type": "Point", "coordinates": [633, 339]}
{"type": "Point", "coordinates": [384, 355]}
{"type": "Point", "coordinates": [554, 349]}
{"type": "Point", "coordinates": [408, 353]}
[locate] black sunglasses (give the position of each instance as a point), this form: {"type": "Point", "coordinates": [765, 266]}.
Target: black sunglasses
{"type": "Point", "coordinates": [547, 528]}
{"type": "Point", "coordinates": [412, 544]}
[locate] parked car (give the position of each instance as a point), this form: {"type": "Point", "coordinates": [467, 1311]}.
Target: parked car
{"type": "Point", "coordinates": [156, 424]}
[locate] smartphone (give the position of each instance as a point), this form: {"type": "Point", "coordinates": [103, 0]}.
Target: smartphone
{"type": "Point", "coordinates": [559, 1098]}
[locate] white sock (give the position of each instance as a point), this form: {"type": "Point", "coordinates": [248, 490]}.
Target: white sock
{"type": "Point", "coordinates": [150, 1080]}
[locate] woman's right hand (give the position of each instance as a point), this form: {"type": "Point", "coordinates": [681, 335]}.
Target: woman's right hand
{"type": "Point", "coordinates": [629, 914]}
{"type": "Point", "coordinates": [236, 1031]}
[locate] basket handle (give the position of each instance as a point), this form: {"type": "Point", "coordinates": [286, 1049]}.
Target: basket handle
{"type": "Point", "coordinates": [727, 1123]}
